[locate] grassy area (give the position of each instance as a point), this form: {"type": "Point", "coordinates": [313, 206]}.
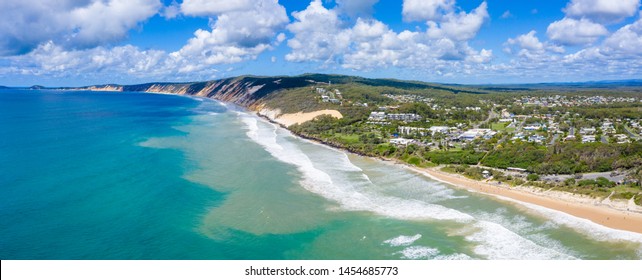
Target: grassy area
{"type": "Point", "coordinates": [501, 127]}
{"type": "Point", "coordinates": [347, 138]}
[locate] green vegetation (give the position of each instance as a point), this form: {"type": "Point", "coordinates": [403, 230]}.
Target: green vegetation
{"type": "Point", "coordinates": [440, 106]}
{"type": "Point", "coordinates": [566, 158]}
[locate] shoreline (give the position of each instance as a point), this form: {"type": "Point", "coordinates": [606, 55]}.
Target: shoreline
{"type": "Point", "coordinates": [579, 207]}
{"type": "Point", "coordinates": [599, 214]}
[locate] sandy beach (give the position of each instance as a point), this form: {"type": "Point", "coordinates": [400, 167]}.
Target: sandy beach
{"type": "Point", "coordinates": [576, 206]}
{"type": "Point", "coordinates": [296, 118]}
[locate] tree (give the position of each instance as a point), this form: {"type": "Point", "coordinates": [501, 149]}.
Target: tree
{"type": "Point", "coordinates": [532, 177]}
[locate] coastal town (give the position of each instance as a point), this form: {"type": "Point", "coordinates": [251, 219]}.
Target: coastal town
{"type": "Point", "coordinates": [587, 143]}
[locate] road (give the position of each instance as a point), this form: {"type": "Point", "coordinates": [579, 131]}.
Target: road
{"type": "Point", "coordinates": [633, 135]}
{"type": "Point", "coordinates": [591, 176]}
{"type": "Point", "coordinates": [491, 115]}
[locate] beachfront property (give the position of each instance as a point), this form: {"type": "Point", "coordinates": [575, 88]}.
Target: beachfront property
{"type": "Point", "coordinates": [377, 116]}
{"type": "Point", "coordinates": [401, 141]}
{"type": "Point", "coordinates": [404, 117]}
{"type": "Point", "coordinates": [381, 116]}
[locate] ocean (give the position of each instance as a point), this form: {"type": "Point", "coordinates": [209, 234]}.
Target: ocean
{"type": "Point", "coordinates": [102, 175]}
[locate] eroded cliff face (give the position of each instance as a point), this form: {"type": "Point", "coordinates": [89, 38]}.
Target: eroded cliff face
{"type": "Point", "coordinates": [243, 91]}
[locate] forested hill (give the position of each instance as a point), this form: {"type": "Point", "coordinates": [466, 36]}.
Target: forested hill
{"type": "Point", "coordinates": [247, 90]}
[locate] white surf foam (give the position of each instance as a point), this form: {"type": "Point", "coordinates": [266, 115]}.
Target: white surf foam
{"type": "Point", "coordinates": [497, 242]}
{"type": "Point", "coordinates": [418, 253]}
{"type": "Point", "coordinates": [522, 227]}
{"type": "Point", "coordinates": [453, 257]}
{"type": "Point", "coordinates": [349, 194]}
{"type": "Point", "coordinates": [402, 240]}
{"type": "Point", "coordinates": [584, 226]}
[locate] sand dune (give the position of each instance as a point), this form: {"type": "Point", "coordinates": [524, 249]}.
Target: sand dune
{"type": "Point", "coordinates": [296, 118]}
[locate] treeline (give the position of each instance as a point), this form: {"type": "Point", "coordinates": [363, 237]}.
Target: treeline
{"type": "Point", "coordinates": [566, 158]}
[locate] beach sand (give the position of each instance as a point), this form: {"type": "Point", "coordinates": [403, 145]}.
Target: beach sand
{"type": "Point", "coordinates": [300, 117]}
{"type": "Point", "coordinates": [579, 207]}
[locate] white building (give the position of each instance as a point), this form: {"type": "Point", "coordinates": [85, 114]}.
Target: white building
{"type": "Point", "coordinates": [377, 116]}
{"type": "Point", "coordinates": [473, 134]}
{"type": "Point", "coordinates": [400, 141]}
{"type": "Point", "coordinates": [587, 131]}
{"type": "Point", "coordinates": [439, 129]}
{"type": "Point", "coordinates": [588, 138]}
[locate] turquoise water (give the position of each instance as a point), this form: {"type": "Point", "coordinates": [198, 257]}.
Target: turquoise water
{"type": "Point", "coordinates": [142, 176]}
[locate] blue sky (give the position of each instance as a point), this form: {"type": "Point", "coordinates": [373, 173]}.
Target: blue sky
{"type": "Point", "coordinates": [82, 42]}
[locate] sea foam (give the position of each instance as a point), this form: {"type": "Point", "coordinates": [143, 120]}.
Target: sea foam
{"type": "Point", "coordinates": [403, 240]}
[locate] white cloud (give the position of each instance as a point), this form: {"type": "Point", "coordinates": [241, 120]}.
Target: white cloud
{"type": "Point", "coordinates": [26, 24]}
{"type": "Point", "coordinates": [213, 7]}
{"type": "Point", "coordinates": [528, 46]}
{"type": "Point", "coordinates": [423, 10]}
{"type": "Point", "coordinates": [461, 26]}
{"type": "Point", "coordinates": [171, 11]}
{"type": "Point", "coordinates": [317, 34]}
{"type": "Point", "coordinates": [239, 31]}
{"type": "Point", "coordinates": [627, 40]}
{"type": "Point", "coordinates": [51, 59]}
{"type": "Point", "coordinates": [602, 10]}
{"type": "Point", "coordinates": [527, 41]}
{"type": "Point", "coordinates": [506, 15]}
{"type": "Point", "coordinates": [321, 35]}
{"type": "Point", "coordinates": [618, 56]}
{"type": "Point", "coordinates": [570, 31]}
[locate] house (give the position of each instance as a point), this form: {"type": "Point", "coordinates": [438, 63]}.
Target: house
{"type": "Point", "coordinates": [377, 116]}
{"type": "Point", "coordinates": [407, 130]}
{"type": "Point", "coordinates": [439, 129]}
{"type": "Point", "coordinates": [533, 127]}
{"type": "Point", "coordinates": [473, 134]}
{"type": "Point", "coordinates": [621, 138]}
{"type": "Point", "coordinates": [486, 174]}
{"type": "Point", "coordinates": [536, 139]}
{"type": "Point", "coordinates": [587, 131]}
{"type": "Point", "coordinates": [400, 141]}
{"type": "Point", "coordinates": [607, 127]}
{"type": "Point", "coordinates": [588, 138]}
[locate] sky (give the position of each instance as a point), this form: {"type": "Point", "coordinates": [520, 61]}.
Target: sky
{"type": "Point", "coordinates": [86, 42]}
